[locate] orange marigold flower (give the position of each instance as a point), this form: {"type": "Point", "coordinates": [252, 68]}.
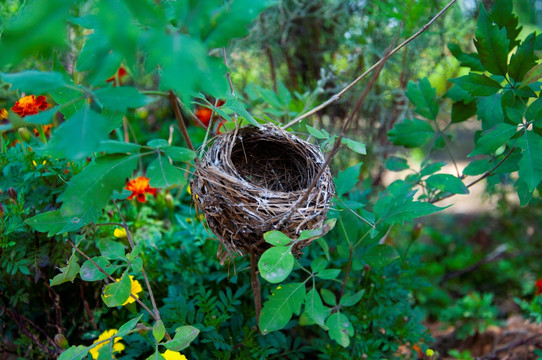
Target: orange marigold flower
{"type": "Point", "coordinates": [3, 116]}
{"type": "Point", "coordinates": [46, 130]}
{"type": "Point", "coordinates": [139, 188]}
{"type": "Point", "coordinates": [30, 105]}
{"type": "Point", "coordinates": [120, 74]}
{"type": "Point", "coordinates": [204, 115]}
{"type": "Point", "coordinates": [538, 287]}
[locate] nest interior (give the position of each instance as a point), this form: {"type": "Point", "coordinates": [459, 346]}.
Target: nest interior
{"type": "Point", "coordinates": [250, 179]}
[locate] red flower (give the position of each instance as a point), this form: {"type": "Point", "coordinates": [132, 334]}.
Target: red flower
{"type": "Point", "coordinates": [538, 287]}
{"type": "Point", "coordinates": [46, 130]}
{"type": "Point", "coordinates": [120, 74]}
{"type": "Point", "coordinates": [204, 115]}
{"type": "Point", "coordinates": [139, 188]}
{"type": "Point", "coordinates": [30, 105]}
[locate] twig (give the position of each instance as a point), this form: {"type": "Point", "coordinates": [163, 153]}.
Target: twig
{"type": "Point", "coordinates": [337, 96]}
{"type": "Point", "coordinates": [173, 100]}
{"type": "Point", "coordinates": [255, 283]}
{"type": "Point", "coordinates": [228, 73]}
{"type": "Point", "coordinates": [509, 346]}
{"type": "Point", "coordinates": [143, 272]}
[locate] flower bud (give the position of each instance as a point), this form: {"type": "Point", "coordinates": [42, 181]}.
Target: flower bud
{"type": "Point", "coordinates": [416, 231]}
{"type": "Point", "coordinates": [12, 193]}
{"type": "Point", "coordinates": [61, 341]}
{"type": "Point", "coordinates": [2, 210]}
{"type": "Point", "coordinates": [367, 267]}
{"type": "Point", "coordinates": [25, 134]}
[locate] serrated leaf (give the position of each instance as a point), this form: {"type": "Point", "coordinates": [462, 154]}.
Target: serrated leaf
{"type": "Point", "coordinates": [347, 179]}
{"type": "Point", "coordinates": [111, 250]}
{"type": "Point", "coordinates": [68, 272]}
{"type": "Point", "coordinates": [184, 335]}
{"type": "Point", "coordinates": [93, 186]}
{"type": "Point", "coordinates": [315, 309]}
{"type": "Point", "coordinates": [380, 255]}
{"type": "Point", "coordinates": [502, 13]}
{"type": "Point", "coordinates": [446, 183]}
{"type": "Point", "coordinates": [493, 138]}
{"type": "Point", "coordinates": [478, 84]}
{"type": "Point", "coordinates": [468, 60]}
{"type": "Point", "coordinates": [351, 299]}
{"type": "Point", "coordinates": [285, 301]}
{"type": "Point", "coordinates": [121, 98]}
{"type": "Point", "coordinates": [492, 44]}
{"type": "Point", "coordinates": [276, 238]}
{"type": "Point", "coordinates": [34, 81]}
{"type": "Point", "coordinates": [340, 328]}
{"type": "Point", "coordinates": [276, 264]}
{"type": "Point", "coordinates": [158, 330]}
{"type": "Point", "coordinates": [411, 133]}
{"type": "Point", "coordinates": [530, 165]}
{"type": "Point", "coordinates": [89, 271]}
{"type": "Point", "coordinates": [389, 210]}
{"type": "Point", "coordinates": [523, 60]}
{"type": "Point", "coordinates": [355, 146]}
{"type": "Point", "coordinates": [53, 222]}
{"type": "Point", "coordinates": [78, 137]}
{"type": "Point", "coordinates": [117, 293]}
{"type": "Point", "coordinates": [423, 96]}
{"type": "Point", "coordinates": [163, 175]}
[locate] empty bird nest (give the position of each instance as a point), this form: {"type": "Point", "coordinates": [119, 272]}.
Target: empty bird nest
{"type": "Point", "coordinates": [252, 180]}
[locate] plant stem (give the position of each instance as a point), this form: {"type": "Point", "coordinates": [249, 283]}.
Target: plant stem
{"type": "Point", "coordinates": [173, 100]}
{"type": "Point", "coordinates": [143, 272]}
{"type": "Point", "coordinates": [337, 96]}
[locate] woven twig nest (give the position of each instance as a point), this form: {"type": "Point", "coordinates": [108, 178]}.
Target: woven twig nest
{"type": "Point", "coordinates": [248, 182]}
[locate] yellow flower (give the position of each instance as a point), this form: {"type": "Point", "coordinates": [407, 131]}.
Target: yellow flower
{"type": "Point", "coordinates": [119, 233]}
{"type": "Point", "coordinates": [117, 347]}
{"type": "Point", "coordinates": [136, 289]}
{"type": "Point", "coordinates": [173, 355]}
{"type": "Point", "coordinates": [429, 352]}
{"type": "Point", "coordinates": [189, 190]}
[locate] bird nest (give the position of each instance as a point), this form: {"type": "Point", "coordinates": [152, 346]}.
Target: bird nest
{"type": "Point", "coordinates": [253, 180]}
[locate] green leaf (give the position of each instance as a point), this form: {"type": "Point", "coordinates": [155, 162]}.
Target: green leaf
{"type": "Point", "coordinates": [394, 163]}
{"type": "Point", "coordinates": [328, 274]}
{"type": "Point", "coordinates": [276, 264]}
{"type": "Point", "coordinates": [462, 111]}
{"type": "Point", "coordinates": [53, 222]}
{"type": "Point", "coordinates": [524, 194]}
{"type": "Point", "coordinates": [347, 179]}
{"type": "Point", "coordinates": [285, 301]}
{"type": "Point", "coordinates": [351, 299]}
{"type": "Point", "coordinates": [158, 143]}
{"type": "Point", "coordinates": [492, 44]}
{"type": "Point", "coordinates": [34, 82]}
{"type": "Point", "coordinates": [239, 108]}
{"type": "Point", "coordinates": [534, 74]}
{"type": "Point", "coordinates": [117, 147]}
{"type": "Point", "coordinates": [477, 167]}
{"type": "Point", "coordinates": [319, 232]}
{"type": "Point", "coordinates": [523, 60]}
{"type": "Point", "coordinates": [530, 165]}
{"type": "Point", "coordinates": [423, 96]}
{"type": "Point", "coordinates": [325, 247]}
{"type": "Point", "coordinates": [355, 146]}
{"type": "Point", "coordinates": [502, 13]}
{"type": "Point", "coordinates": [184, 335]}
{"type": "Point", "coordinates": [68, 272]}
{"type": "Point", "coordinates": [329, 297]}
{"type": "Point", "coordinates": [489, 110]}
{"type": "Point", "coordinates": [340, 328]}
{"type": "Point", "coordinates": [158, 330]}
{"type": "Point", "coordinates": [64, 96]}
{"type": "Point", "coordinates": [136, 265]}
{"type": "Point", "coordinates": [117, 293]}
{"type": "Point", "coordinates": [389, 210]}
{"type": "Point", "coordinates": [276, 238]}
{"type": "Point", "coordinates": [163, 175]}
{"type": "Point", "coordinates": [380, 255]}
{"type": "Point", "coordinates": [468, 60]}
{"type": "Point", "coordinates": [44, 117]}
{"type": "Point", "coordinates": [78, 137]}
{"type": "Point", "coordinates": [315, 309]}
{"type": "Point", "coordinates": [93, 186]}
{"type": "Point", "coordinates": [89, 271]}
{"type": "Point", "coordinates": [121, 98]}
{"type": "Point", "coordinates": [431, 168]}
{"type": "Point", "coordinates": [447, 183]}
{"type": "Point", "coordinates": [74, 353]}
{"type": "Point", "coordinates": [316, 133]}
{"type": "Point", "coordinates": [319, 264]}
{"type": "Point", "coordinates": [493, 138]}
{"type": "Point", "coordinates": [177, 153]}
{"type": "Point", "coordinates": [478, 84]}
{"type": "Point", "coordinates": [111, 250]}
{"type": "Point", "coordinates": [128, 326]}
{"type": "Point", "coordinates": [534, 111]}
{"type": "Point", "coordinates": [411, 133]}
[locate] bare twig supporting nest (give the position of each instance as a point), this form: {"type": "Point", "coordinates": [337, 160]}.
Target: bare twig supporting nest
{"type": "Point", "coordinates": [249, 178]}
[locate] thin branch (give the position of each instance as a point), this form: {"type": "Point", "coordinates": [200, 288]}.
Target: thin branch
{"type": "Point", "coordinates": [173, 100]}
{"type": "Point", "coordinates": [337, 96]}
{"type": "Point", "coordinates": [143, 272]}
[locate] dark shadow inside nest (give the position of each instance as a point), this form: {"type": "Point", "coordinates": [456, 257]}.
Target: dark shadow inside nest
{"type": "Point", "coordinates": [276, 166]}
